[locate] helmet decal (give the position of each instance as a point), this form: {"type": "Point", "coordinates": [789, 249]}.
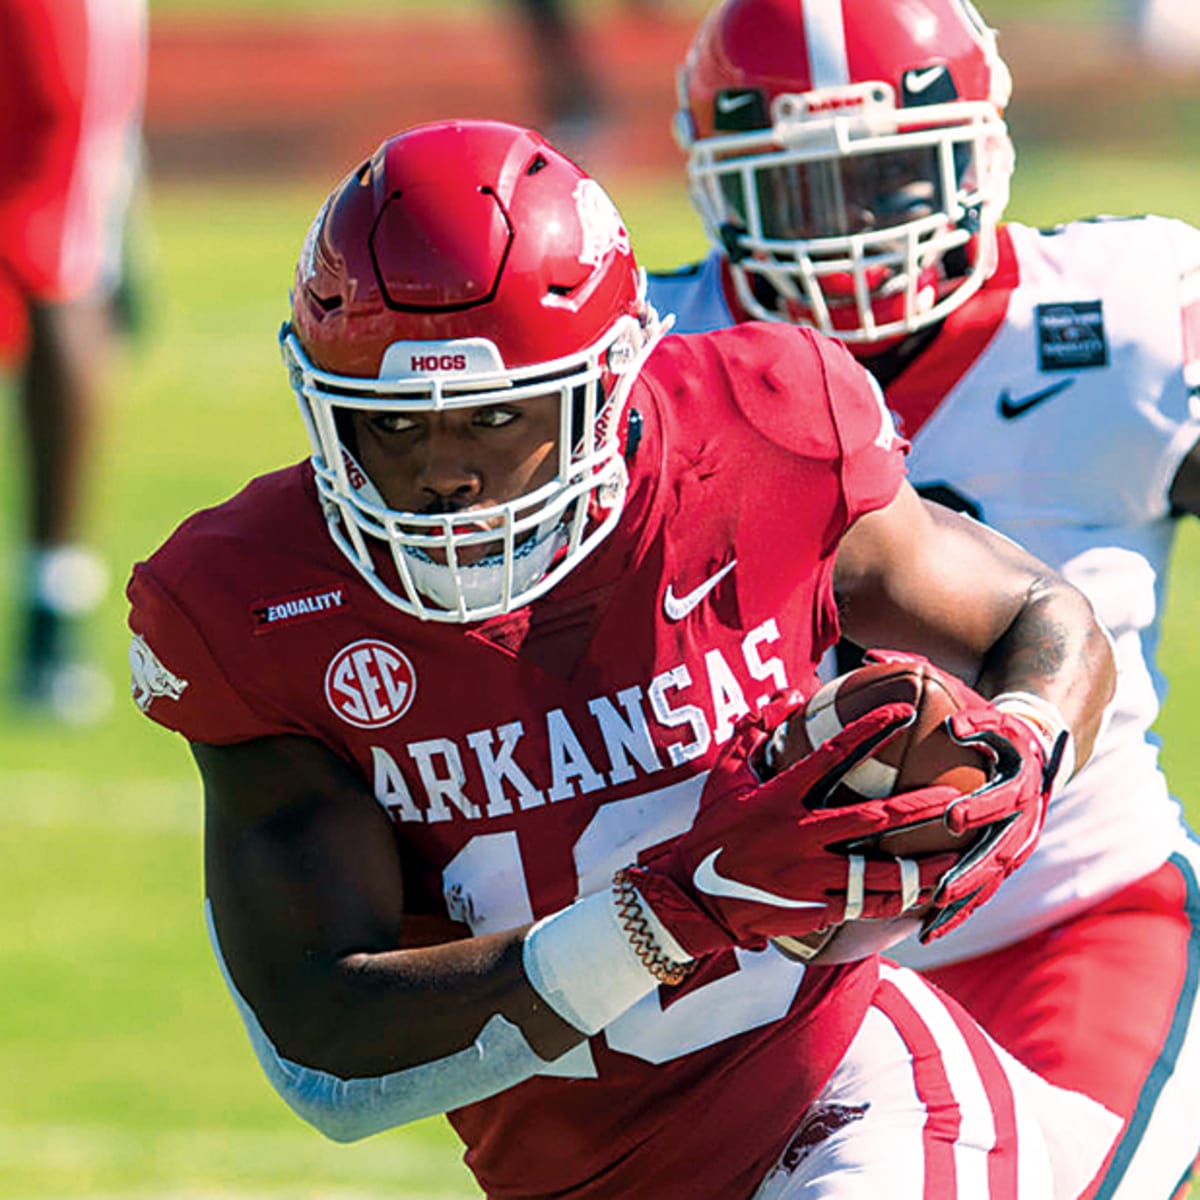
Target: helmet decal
{"type": "Point", "coordinates": [306, 270]}
{"type": "Point", "coordinates": [601, 224]}
{"type": "Point", "coordinates": [825, 31]}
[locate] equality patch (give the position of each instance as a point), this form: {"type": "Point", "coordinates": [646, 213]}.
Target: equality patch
{"type": "Point", "coordinates": [269, 615]}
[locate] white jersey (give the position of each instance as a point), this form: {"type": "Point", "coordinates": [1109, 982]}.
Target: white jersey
{"type": "Point", "coordinates": [1057, 406]}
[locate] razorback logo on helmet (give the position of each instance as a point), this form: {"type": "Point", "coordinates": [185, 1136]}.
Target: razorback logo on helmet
{"type": "Point", "coordinates": [370, 684]}
{"type": "Point", "coordinates": [601, 225]}
{"type": "Point", "coordinates": [148, 677]}
{"type": "Point", "coordinates": [308, 252]}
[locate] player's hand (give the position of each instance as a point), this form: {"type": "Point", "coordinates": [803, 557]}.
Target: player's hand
{"type": "Point", "coordinates": [762, 859]}
{"type": "Point", "coordinates": [1005, 816]}
{"type": "Point", "coordinates": [1007, 813]}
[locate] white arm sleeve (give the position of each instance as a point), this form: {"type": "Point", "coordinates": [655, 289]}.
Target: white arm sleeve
{"type": "Point", "coordinates": [348, 1109]}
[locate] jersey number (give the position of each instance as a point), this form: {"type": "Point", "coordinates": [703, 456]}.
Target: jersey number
{"type": "Point", "coordinates": [486, 883]}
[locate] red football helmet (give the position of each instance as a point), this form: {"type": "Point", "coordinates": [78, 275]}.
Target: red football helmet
{"type": "Point", "coordinates": [469, 263]}
{"type": "Point", "coordinates": [849, 156]}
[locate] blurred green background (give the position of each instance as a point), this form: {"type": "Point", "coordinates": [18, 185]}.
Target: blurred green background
{"type": "Point", "coordinates": [126, 1073]}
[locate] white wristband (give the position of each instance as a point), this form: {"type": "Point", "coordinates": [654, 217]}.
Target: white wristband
{"type": "Point", "coordinates": [1048, 725]}
{"type": "Point", "coordinates": [582, 963]}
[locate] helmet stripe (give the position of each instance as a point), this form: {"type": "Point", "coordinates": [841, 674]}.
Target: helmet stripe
{"type": "Point", "coordinates": [825, 32]}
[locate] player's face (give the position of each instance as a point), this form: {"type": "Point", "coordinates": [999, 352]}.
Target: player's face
{"type": "Point", "coordinates": [838, 197]}
{"type": "Point", "coordinates": [459, 460]}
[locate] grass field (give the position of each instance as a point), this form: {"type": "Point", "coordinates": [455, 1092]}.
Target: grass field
{"type": "Point", "coordinates": [126, 1072]}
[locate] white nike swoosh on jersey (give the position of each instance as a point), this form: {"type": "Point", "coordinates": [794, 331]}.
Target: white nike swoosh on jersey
{"type": "Point", "coordinates": [728, 104]}
{"type": "Point", "coordinates": [678, 607]}
{"type": "Point", "coordinates": [918, 81]}
{"type": "Point", "coordinates": [709, 881]}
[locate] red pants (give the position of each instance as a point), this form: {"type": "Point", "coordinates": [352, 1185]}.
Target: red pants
{"type": "Point", "coordinates": [1107, 1005]}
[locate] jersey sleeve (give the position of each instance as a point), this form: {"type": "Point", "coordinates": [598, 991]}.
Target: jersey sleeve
{"type": "Point", "coordinates": [873, 452]}
{"type": "Point", "coordinates": [820, 403]}
{"type": "Point", "coordinates": [176, 679]}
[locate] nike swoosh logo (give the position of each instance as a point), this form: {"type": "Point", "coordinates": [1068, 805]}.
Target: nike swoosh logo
{"type": "Point", "coordinates": [678, 607]}
{"type": "Point", "coordinates": [711, 882]}
{"type": "Point", "coordinates": [919, 81]}
{"type": "Point", "coordinates": [728, 104]}
{"type": "Point", "coordinates": [1010, 409]}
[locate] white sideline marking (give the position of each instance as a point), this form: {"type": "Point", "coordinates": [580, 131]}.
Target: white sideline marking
{"type": "Point", "coordinates": [52, 799]}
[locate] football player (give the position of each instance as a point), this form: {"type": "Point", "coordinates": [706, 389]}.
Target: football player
{"type": "Point", "coordinates": [479, 696]}
{"type": "Point", "coordinates": [850, 163]}
{"type": "Point", "coordinates": [71, 85]}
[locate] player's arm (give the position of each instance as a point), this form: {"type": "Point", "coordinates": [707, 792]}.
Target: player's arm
{"type": "Point", "coordinates": [306, 894]}
{"type": "Point", "coordinates": [1185, 488]}
{"type": "Point", "coordinates": [304, 881]}
{"type": "Point", "coordinates": [916, 576]}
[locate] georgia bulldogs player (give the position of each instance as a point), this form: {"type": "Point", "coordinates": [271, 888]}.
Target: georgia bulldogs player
{"type": "Point", "coordinates": [850, 163]}
{"type": "Point", "coordinates": [478, 695]}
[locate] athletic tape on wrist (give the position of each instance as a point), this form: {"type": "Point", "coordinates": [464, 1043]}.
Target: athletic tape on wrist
{"type": "Point", "coordinates": [580, 961]}
{"type": "Point", "coordinates": [652, 942]}
{"type": "Point", "coordinates": [1049, 727]}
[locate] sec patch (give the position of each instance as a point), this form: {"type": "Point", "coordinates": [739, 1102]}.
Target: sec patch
{"type": "Point", "coordinates": [370, 684]}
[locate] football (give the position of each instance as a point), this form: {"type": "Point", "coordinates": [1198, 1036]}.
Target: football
{"type": "Point", "coordinates": [921, 755]}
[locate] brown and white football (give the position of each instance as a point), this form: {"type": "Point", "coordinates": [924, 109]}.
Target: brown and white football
{"type": "Point", "coordinates": [919, 756]}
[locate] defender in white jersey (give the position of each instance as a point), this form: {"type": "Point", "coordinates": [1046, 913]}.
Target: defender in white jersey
{"type": "Point", "coordinates": [851, 164]}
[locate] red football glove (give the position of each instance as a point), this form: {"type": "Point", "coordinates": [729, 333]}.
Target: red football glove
{"type": "Point", "coordinates": [1009, 811]}
{"type": "Point", "coordinates": [758, 863]}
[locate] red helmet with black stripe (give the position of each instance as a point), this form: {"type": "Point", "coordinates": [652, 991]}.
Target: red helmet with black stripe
{"type": "Point", "coordinates": [849, 156]}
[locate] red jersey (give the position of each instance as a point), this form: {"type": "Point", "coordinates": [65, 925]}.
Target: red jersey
{"type": "Point", "coordinates": [524, 758]}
